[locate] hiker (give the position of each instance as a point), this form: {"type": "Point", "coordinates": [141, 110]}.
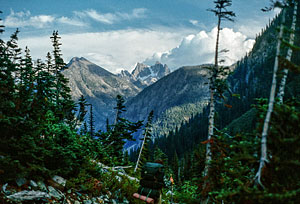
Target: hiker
{"type": "Point", "coordinates": [152, 181]}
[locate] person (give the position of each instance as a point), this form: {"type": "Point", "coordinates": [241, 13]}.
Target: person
{"type": "Point", "coordinates": [152, 180]}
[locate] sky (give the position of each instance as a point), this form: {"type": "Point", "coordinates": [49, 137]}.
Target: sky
{"type": "Point", "coordinates": [116, 34]}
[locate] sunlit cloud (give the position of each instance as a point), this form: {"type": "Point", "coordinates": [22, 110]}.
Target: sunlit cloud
{"type": "Point", "coordinates": [199, 49]}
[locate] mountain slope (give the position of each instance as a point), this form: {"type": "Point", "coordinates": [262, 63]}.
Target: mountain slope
{"type": "Point", "coordinates": [174, 99]}
{"type": "Point", "coordinates": [99, 86]}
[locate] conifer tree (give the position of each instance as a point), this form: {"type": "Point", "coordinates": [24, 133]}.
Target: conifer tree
{"type": "Point", "coordinates": [222, 14]}
{"type": "Point", "coordinates": [114, 139]}
{"type": "Point", "coordinates": [82, 110]}
{"type": "Point", "coordinates": [91, 121]}
{"type": "Point", "coordinates": [64, 104]}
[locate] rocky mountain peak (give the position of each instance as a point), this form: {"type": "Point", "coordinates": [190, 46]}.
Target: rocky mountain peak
{"type": "Point", "coordinates": [145, 75]}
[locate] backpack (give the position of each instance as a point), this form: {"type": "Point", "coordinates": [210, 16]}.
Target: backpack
{"type": "Point", "coordinates": [150, 193]}
{"type": "Point", "coordinates": [152, 176]}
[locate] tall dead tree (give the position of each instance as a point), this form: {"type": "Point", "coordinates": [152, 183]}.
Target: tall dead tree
{"type": "Point", "coordinates": [264, 150]}
{"type": "Point", "coordinates": [285, 71]}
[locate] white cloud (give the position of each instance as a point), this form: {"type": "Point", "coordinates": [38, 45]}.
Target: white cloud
{"type": "Point", "coordinates": [194, 22]}
{"type": "Point", "coordinates": [111, 50]}
{"type": "Point", "coordinates": [70, 21]}
{"type": "Point", "coordinates": [110, 18]}
{"type": "Point", "coordinates": [23, 19]}
{"type": "Point", "coordinates": [103, 18]}
{"type": "Point", "coordinates": [199, 49]}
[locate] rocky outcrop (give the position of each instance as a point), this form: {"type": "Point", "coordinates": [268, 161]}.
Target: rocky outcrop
{"type": "Point", "coordinates": [50, 193]}
{"type": "Point", "coordinates": [144, 75]}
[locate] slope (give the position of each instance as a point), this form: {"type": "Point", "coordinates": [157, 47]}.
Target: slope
{"type": "Point", "coordinates": [99, 86]}
{"type": "Point", "coordinates": [174, 99]}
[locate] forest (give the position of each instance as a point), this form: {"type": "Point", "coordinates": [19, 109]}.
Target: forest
{"type": "Point", "coordinates": [242, 148]}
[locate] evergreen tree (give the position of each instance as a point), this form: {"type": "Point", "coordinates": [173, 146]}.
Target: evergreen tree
{"type": "Point", "coordinates": [223, 14]}
{"type": "Point", "coordinates": [114, 139]}
{"type": "Point", "coordinates": [91, 121]}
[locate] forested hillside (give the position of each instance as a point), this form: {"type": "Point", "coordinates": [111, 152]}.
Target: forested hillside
{"type": "Point", "coordinates": [239, 117]}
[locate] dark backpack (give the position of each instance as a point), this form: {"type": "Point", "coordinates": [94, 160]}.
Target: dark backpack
{"type": "Point", "coordinates": [150, 193]}
{"type": "Point", "coordinates": [152, 176]}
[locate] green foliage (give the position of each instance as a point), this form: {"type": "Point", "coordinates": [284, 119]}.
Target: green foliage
{"type": "Point", "coordinates": [239, 163]}
{"type": "Point", "coordinates": [114, 139]}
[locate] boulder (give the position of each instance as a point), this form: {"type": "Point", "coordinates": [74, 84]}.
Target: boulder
{"type": "Point", "coordinates": [54, 193]}
{"type": "Point", "coordinates": [60, 180]}
{"type": "Point", "coordinates": [33, 184]}
{"type": "Point", "coordinates": [28, 195]}
{"type": "Point", "coordinates": [6, 192]}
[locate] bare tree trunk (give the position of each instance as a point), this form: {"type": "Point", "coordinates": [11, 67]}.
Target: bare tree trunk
{"type": "Point", "coordinates": [141, 150]}
{"type": "Point", "coordinates": [264, 155]}
{"type": "Point", "coordinates": [211, 110]}
{"type": "Point", "coordinates": [289, 56]}
{"type": "Point", "coordinates": [212, 105]}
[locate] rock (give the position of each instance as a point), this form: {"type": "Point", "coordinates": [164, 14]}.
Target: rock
{"type": "Point", "coordinates": [33, 184]}
{"type": "Point", "coordinates": [69, 191]}
{"type": "Point", "coordinates": [42, 186]}
{"type": "Point", "coordinates": [87, 202]}
{"type": "Point", "coordinates": [114, 202]}
{"type": "Point", "coordinates": [4, 189]}
{"type": "Point", "coordinates": [28, 195]}
{"type": "Point", "coordinates": [21, 181]}
{"type": "Point", "coordinates": [125, 201]}
{"type": "Point", "coordinates": [60, 180]}
{"type": "Point", "coordinates": [76, 202]}
{"type": "Point", "coordinates": [54, 193]}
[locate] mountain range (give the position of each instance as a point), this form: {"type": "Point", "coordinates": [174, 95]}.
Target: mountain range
{"type": "Point", "coordinates": [174, 97]}
{"type": "Point", "coordinates": [100, 87]}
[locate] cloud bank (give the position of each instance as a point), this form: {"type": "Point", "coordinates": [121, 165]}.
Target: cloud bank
{"type": "Point", "coordinates": [199, 49]}
{"type": "Point", "coordinates": [112, 50]}
{"type": "Point", "coordinates": [79, 18]}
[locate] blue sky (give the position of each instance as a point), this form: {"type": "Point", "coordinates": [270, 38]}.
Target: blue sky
{"type": "Point", "coordinates": [116, 34]}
